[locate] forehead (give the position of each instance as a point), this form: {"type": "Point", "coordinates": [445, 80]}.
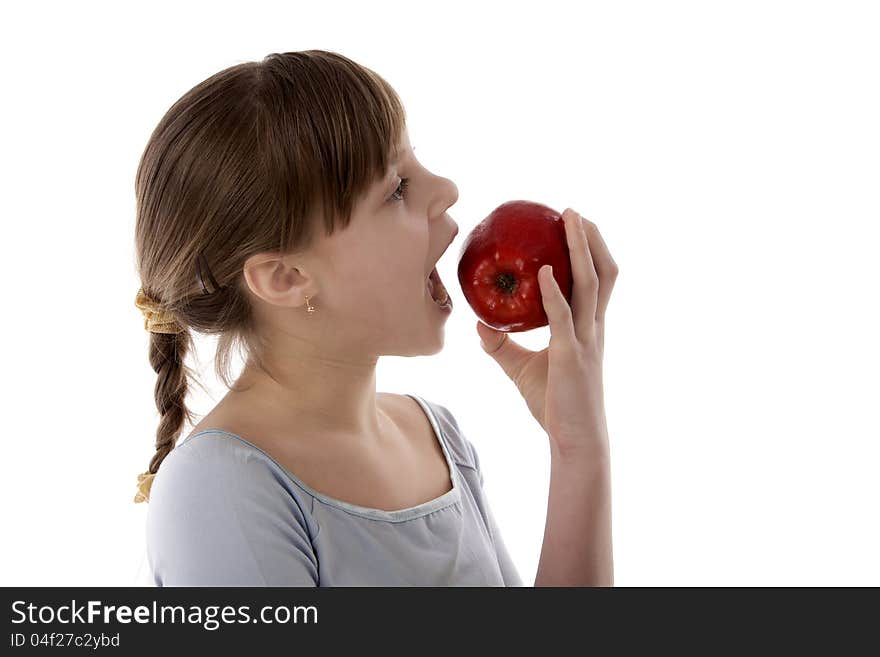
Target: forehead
{"type": "Point", "coordinates": [402, 149]}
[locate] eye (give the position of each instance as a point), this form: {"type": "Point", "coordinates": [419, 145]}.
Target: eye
{"type": "Point", "coordinates": [400, 193]}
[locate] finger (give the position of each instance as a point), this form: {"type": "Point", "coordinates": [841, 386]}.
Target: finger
{"type": "Point", "coordinates": [555, 306]}
{"type": "Point", "coordinates": [606, 268]}
{"type": "Point", "coordinates": [586, 281]}
{"type": "Point", "coordinates": [510, 355]}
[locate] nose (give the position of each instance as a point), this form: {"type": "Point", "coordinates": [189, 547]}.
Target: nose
{"type": "Point", "coordinates": [453, 193]}
{"type": "Point", "coordinates": [446, 196]}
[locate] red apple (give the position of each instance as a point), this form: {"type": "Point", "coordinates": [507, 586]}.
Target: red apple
{"type": "Point", "coordinates": [499, 261]}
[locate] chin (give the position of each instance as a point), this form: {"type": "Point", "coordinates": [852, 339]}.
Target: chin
{"type": "Point", "coordinates": [439, 343]}
{"type": "Point", "coordinates": [437, 349]}
{"type": "Point", "coordinates": [432, 344]}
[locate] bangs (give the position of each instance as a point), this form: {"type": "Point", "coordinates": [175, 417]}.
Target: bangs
{"type": "Point", "coordinates": [330, 129]}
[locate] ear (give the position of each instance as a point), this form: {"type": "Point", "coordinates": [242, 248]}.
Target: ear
{"type": "Point", "coordinates": [278, 279]}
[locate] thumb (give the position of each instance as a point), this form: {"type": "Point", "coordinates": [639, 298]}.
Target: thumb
{"type": "Point", "coordinates": [499, 345]}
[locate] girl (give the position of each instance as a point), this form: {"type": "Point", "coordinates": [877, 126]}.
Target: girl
{"type": "Point", "coordinates": [281, 208]}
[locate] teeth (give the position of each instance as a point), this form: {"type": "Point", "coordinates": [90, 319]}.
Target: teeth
{"type": "Point", "coordinates": [437, 289]}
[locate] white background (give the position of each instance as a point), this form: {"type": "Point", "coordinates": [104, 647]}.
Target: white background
{"type": "Point", "coordinates": [728, 152]}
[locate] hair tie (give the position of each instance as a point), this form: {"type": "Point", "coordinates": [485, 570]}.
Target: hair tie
{"type": "Point", "coordinates": [156, 318]}
{"type": "Point", "coordinates": [145, 482]}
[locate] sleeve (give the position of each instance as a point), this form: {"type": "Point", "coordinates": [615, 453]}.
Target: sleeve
{"type": "Point", "coordinates": [508, 568]}
{"type": "Point", "coordinates": [221, 516]}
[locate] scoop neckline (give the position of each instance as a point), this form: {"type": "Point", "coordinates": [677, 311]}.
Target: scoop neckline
{"type": "Point", "coordinates": [398, 515]}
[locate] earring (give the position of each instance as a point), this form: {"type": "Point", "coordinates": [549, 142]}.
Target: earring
{"type": "Point", "coordinates": [310, 308]}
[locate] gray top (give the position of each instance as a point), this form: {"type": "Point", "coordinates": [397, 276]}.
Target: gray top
{"type": "Point", "coordinates": [222, 512]}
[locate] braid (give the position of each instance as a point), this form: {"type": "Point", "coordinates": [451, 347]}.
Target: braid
{"type": "Point", "coordinates": [170, 342]}
{"type": "Point", "coordinates": [167, 353]}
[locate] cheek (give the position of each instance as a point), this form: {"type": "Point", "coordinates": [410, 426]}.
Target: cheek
{"type": "Point", "coordinates": [381, 284]}
{"type": "Point", "coordinates": [385, 270]}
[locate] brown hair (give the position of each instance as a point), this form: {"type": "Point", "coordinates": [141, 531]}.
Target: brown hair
{"type": "Point", "coordinates": [233, 168]}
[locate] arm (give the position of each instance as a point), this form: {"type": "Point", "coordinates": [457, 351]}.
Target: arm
{"type": "Point", "coordinates": [577, 535]}
{"type": "Point", "coordinates": [564, 390]}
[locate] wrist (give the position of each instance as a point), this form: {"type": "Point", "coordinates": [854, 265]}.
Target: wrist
{"type": "Point", "coordinates": [595, 452]}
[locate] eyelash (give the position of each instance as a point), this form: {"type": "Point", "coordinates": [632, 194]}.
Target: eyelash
{"type": "Point", "coordinates": [400, 193]}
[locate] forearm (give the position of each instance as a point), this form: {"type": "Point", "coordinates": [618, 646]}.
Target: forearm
{"type": "Point", "coordinates": [577, 535]}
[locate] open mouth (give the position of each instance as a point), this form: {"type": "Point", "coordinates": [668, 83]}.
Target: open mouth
{"type": "Point", "coordinates": [437, 290]}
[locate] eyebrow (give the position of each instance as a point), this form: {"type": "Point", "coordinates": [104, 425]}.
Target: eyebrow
{"type": "Point", "coordinates": [398, 158]}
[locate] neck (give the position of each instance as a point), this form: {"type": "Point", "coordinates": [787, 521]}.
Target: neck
{"type": "Point", "coordinates": [318, 395]}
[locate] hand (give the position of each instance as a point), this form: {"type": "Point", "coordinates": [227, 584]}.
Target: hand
{"type": "Point", "coordinates": [562, 384]}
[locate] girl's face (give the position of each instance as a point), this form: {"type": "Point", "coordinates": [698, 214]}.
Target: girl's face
{"type": "Point", "coordinates": [369, 279]}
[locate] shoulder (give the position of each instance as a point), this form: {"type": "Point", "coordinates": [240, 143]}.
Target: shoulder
{"type": "Point", "coordinates": [215, 458]}
{"type": "Point", "coordinates": [221, 513]}
{"type": "Point", "coordinates": [461, 449]}
{"type": "Point", "coordinates": [222, 478]}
